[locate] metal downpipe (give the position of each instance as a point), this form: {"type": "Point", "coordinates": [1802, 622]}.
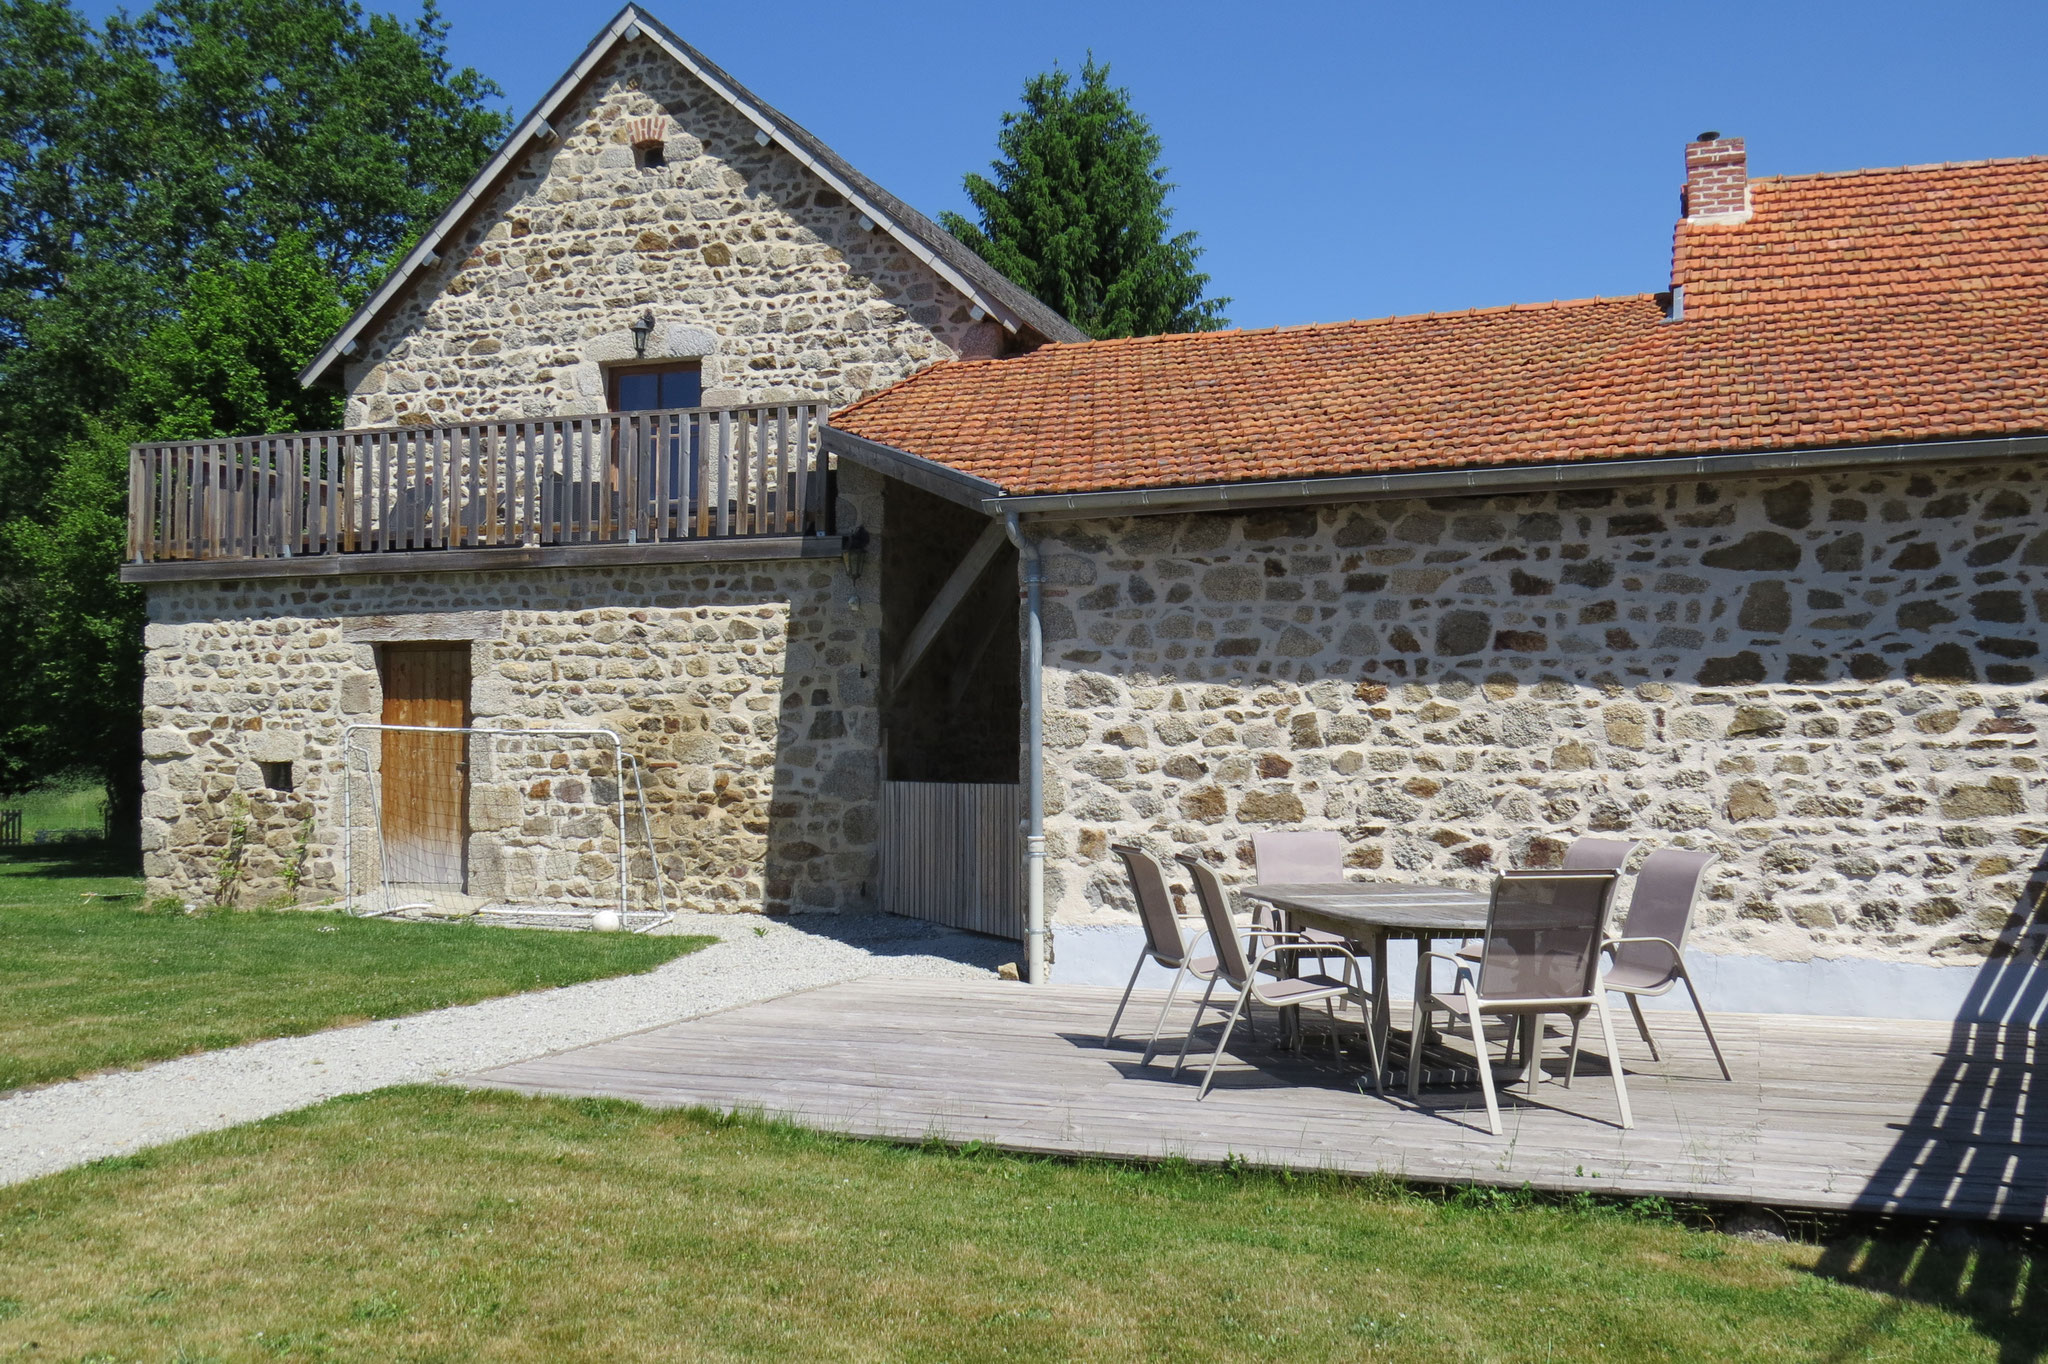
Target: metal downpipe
{"type": "Point", "coordinates": [1034, 753]}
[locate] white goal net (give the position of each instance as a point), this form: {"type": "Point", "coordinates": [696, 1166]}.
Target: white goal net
{"type": "Point", "coordinates": [546, 826]}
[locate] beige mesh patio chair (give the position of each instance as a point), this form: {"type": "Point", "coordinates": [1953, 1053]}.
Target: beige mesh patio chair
{"type": "Point", "coordinates": [1648, 958]}
{"type": "Point", "coordinates": [1598, 854]}
{"type": "Point", "coordinates": [1541, 955]}
{"type": "Point", "coordinates": [1164, 942]}
{"type": "Point", "coordinates": [1581, 854]}
{"type": "Point", "coordinates": [1286, 856]}
{"type": "Point", "coordinates": [1243, 975]}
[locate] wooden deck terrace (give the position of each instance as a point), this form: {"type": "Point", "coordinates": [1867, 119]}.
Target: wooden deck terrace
{"type": "Point", "coordinates": [1859, 1115]}
{"type": "Point", "coordinates": [621, 478]}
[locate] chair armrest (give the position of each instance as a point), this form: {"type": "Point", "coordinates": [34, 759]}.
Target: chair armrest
{"type": "Point", "coordinates": [1445, 956]}
{"type": "Point", "coordinates": [1665, 943]}
{"type": "Point", "coordinates": [1318, 948]}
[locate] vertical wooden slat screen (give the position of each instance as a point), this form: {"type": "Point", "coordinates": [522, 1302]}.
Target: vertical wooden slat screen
{"type": "Point", "coordinates": [952, 853]}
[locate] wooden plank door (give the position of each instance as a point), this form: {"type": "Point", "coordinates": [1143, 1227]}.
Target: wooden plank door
{"type": "Point", "coordinates": [426, 776]}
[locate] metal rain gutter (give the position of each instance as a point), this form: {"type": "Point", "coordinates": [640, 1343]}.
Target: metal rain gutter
{"type": "Point", "coordinates": [1501, 479]}
{"type": "Point", "coordinates": [1034, 752]}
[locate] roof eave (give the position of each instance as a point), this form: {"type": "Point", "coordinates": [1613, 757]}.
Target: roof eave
{"type": "Point", "coordinates": [933, 477]}
{"type": "Point", "coordinates": [1496, 479]}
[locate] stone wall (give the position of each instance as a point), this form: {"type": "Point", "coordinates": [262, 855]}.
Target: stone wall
{"type": "Point", "coordinates": [745, 258]}
{"type": "Point", "coordinates": [1833, 682]}
{"type": "Point", "coordinates": [746, 689]}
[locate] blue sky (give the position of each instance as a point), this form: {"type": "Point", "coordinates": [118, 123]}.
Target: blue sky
{"type": "Point", "coordinates": [1354, 160]}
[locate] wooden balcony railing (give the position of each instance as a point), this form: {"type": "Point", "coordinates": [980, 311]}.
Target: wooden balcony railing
{"type": "Point", "coordinates": [621, 478]}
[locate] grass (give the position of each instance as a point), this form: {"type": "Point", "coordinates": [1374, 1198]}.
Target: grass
{"type": "Point", "coordinates": [436, 1224]}
{"type": "Point", "coordinates": [70, 803]}
{"type": "Point", "coordinates": [86, 986]}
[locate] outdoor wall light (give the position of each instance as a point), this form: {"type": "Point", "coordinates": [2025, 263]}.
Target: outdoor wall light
{"type": "Point", "coordinates": [853, 557]}
{"type": "Point", "coordinates": [855, 552]}
{"type": "Point", "coordinates": [641, 331]}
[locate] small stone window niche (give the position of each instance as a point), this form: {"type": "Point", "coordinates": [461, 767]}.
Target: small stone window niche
{"type": "Point", "coordinates": [277, 776]}
{"type": "Point", "coordinates": [649, 155]}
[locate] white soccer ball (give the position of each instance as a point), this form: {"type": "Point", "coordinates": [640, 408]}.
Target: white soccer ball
{"type": "Point", "coordinates": [606, 921]}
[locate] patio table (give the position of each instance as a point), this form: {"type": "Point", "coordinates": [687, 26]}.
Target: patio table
{"type": "Point", "coordinates": [1372, 914]}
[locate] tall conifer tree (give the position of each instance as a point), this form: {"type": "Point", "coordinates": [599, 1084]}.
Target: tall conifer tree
{"type": "Point", "coordinates": [1076, 213]}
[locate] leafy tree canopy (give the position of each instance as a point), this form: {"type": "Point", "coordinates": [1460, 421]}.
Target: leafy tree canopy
{"type": "Point", "coordinates": [1076, 213]}
{"type": "Point", "coordinates": [191, 201]}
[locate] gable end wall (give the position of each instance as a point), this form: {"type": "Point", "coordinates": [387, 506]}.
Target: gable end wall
{"type": "Point", "coordinates": [745, 258]}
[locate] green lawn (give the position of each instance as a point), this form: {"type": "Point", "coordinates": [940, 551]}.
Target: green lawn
{"type": "Point", "coordinates": [434, 1224]}
{"type": "Point", "coordinates": [88, 985]}
{"type": "Point", "coordinates": [72, 803]}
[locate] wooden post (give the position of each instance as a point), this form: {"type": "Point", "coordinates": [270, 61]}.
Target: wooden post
{"type": "Point", "coordinates": [135, 508]}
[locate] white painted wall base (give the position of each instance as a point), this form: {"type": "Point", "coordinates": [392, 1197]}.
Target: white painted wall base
{"type": "Point", "coordinates": [1841, 987]}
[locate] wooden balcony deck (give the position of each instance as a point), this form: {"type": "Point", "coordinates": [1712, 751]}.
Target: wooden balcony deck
{"type": "Point", "coordinates": [1837, 1114]}
{"type": "Point", "coordinates": [626, 478]}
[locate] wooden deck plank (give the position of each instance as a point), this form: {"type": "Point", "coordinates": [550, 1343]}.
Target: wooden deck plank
{"type": "Point", "coordinates": [1823, 1113]}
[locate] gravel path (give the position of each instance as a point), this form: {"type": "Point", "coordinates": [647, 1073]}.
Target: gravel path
{"type": "Point", "coordinates": [68, 1124]}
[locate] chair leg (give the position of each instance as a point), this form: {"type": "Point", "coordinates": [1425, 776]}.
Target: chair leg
{"type": "Point", "coordinates": [1485, 1059]}
{"type": "Point", "coordinates": [1532, 1033]}
{"type": "Point", "coordinates": [1330, 1008]}
{"type": "Point", "coordinates": [1372, 1047]}
{"type": "Point", "coordinates": [1152, 1042]}
{"type": "Point", "coordinates": [1628, 1119]}
{"type": "Point", "coordinates": [1643, 1026]}
{"type": "Point", "coordinates": [1129, 986]}
{"type": "Point", "coordinates": [1701, 1009]}
{"type": "Point", "coordinates": [1243, 997]}
{"type": "Point", "coordinates": [1571, 1064]}
{"type": "Point", "coordinates": [1182, 1059]}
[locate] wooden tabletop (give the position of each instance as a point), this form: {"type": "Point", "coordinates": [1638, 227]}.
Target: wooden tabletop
{"type": "Point", "coordinates": [1357, 908]}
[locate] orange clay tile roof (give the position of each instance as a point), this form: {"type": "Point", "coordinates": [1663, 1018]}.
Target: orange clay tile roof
{"type": "Point", "coordinates": [1861, 308]}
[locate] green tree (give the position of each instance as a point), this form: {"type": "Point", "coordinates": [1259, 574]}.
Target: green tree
{"type": "Point", "coordinates": [1077, 213]}
{"type": "Point", "coordinates": [191, 201]}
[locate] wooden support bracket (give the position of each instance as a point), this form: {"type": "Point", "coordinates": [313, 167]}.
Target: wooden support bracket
{"type": "Point", "coordinates": [965, 575]}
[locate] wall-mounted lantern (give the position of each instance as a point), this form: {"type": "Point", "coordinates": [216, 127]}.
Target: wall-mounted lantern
{"type": "Point", "coordinates": [641, 331]}
{"type": "Point", "coordinates": [854, 552]}
{"type": "Point", "coordinates": [853, 557]}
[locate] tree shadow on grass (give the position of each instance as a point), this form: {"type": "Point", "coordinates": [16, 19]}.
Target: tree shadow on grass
{"type": "Point", "coordinates": [1992, 1275]}
{"type": "Point", "coordinates": [67, 860]}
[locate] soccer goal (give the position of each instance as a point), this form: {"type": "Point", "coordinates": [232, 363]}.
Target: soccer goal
{"type": "Point", "coordinates": [542, 826]}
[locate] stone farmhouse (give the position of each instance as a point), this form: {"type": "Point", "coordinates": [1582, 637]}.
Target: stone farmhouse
{"type": "Point", "coordinates": [902, 594]}
{"type": "Point", "coordinates": [653, 235]}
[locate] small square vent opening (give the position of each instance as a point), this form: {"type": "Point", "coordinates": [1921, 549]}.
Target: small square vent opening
{"type": "Point", "coordinates": [277, 776]}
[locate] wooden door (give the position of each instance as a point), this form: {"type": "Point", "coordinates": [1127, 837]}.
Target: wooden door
{"type": "Point", "coordinates": [426, 776]}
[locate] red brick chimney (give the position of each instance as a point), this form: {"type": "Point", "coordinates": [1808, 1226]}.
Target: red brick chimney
{"type": "Point", "coordinates": [1716, 177]}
